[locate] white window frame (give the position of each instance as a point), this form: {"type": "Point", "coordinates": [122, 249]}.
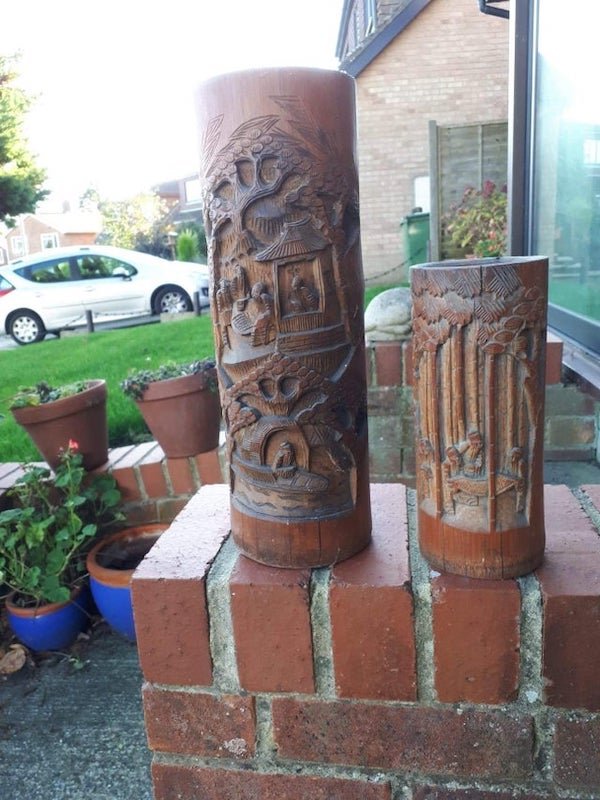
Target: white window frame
{"type": "Point", "coordinates": [193, 190]}
{"type": "Point", "coordinates": [17, 246]}
{"type": "Point", "coordinates": [49, 237]}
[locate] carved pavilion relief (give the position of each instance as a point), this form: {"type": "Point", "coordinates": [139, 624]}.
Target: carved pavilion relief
{"type": "Point", "coordinates": [281, 219]}
{"type": "Point", "coordinates": [479, 337]}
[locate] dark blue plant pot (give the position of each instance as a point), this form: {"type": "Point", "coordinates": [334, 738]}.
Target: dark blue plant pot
{"type": "Point", "coordinates": [111, 564]}
{"type": "Point", "coordinates": [51, 627]}
{"type": "Point", "coordinates": [114, 604]}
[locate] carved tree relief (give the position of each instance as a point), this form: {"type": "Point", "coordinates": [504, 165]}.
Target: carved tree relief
{"type": "Point", "coordinates": [479, 347]}
{"type": "Point", "coordinates": [281, 217]}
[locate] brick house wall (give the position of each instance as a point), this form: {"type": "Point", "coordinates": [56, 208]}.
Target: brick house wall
{"type": "Point", "coordinates": [68, 239]}
{"type": "Point", "coordinates": [450, 64]}
{"type": "Point", "coordinates": [31, 228]}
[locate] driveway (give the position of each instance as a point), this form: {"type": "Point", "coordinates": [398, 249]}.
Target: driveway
{"type": "Point", "coordinates": [6, 343]}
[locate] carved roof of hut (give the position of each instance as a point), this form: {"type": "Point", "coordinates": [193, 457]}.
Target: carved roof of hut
{"type": "Point", "coordinates": [297, 238]}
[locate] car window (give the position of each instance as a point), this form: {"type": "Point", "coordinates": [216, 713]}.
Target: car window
{"type": "Point", "coordinates": [47, 272]}
{"type": "Point", "coordinates": [94, 266]}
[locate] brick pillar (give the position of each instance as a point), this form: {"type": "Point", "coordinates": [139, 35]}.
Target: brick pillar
{"type": "Point", "coordinates": [375, 678]}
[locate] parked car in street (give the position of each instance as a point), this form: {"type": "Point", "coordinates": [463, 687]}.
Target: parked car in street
{"type": "Point", "coordinates": [52, 290]}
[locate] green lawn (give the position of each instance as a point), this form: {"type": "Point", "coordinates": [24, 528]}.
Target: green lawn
{"type": "Point", "coordinates": [105, 354]}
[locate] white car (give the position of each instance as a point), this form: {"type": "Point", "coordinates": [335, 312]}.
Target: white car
{"type": "Point", "coordinates": [52, 290]}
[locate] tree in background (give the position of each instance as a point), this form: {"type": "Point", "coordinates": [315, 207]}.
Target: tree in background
{"type": "Point", "coordinates": [21, 179]}
{"type": "Point", "coordinates": [138, 223]}
{"type": "Point", "coordinates": [144, 223]}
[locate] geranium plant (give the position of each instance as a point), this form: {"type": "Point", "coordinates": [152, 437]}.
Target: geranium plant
{"type": "Point", "coordinates": [138, 381]}
{"type": "Point", "coordinates": [478, 224]}
{"type": "Point", "coordinates": [43, 535]}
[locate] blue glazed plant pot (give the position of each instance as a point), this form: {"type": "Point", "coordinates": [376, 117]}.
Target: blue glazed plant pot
{"type": "Point", "coordinates": [111, 564]}
{"type": "Point", "coordinates": [53, 626]}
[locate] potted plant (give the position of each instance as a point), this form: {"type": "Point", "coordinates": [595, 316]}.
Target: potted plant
{"type": "Point", "coordinates": [111, 564]}
{"type": "Point", "coordinates": [44, 536]}
{"type": "Point", "coordinates": [180, 405]}
{"type": "Point", "coordinates": [54, 415]}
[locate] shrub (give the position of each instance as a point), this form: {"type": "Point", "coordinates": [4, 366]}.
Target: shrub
{"type": "Point", "coordinates": [478, 224]}
{"type": "Point", "coordinates": [188, 246]}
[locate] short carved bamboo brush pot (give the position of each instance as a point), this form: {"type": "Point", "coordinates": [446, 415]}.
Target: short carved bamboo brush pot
{"type": "Point", "coordinates": [280, 198]}
{"type": "Point", "coordinates": [479, 334]}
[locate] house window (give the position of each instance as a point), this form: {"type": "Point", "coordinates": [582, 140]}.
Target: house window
{"type": "Point", "coordinates": [565, 169]}
{"type": "Point", "coordinates": [17, 246]}
{"type": "Point", "coordinates": [193, 190]}
{"type": "Point", "coordinates": [49, 240]}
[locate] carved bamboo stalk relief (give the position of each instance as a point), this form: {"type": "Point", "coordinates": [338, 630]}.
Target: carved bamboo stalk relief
{"type": "Point", "coordinates": [281, 214]}
{"type": "Point", "coordinates": [479, 331]}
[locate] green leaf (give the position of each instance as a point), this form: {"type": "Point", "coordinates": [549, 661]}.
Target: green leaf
{"type": "Point", "coordinates": [62, 535]}
{"type": "Point", "coordinates": [62, 479]}
{"type": "Point", "coordinates": [111, 497]}
{"type": "Point", "coordinates": [53, 591]}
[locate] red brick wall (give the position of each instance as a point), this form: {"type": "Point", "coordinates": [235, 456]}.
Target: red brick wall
{"type": "Point", "coordinates": [32, 229]}
{"type": "Point", "coordinates": [376, 678]}
{"type": "Point", "coordinates": [449, 65]}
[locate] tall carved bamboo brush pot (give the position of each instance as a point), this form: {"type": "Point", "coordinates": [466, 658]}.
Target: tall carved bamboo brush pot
{"type": "Point", "coordinates": [281, 215]}
{"type": "Point", "coordinates": [479, 334]}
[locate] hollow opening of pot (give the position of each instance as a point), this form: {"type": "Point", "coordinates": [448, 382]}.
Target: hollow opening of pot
{"type": "Point", "coordinates": [126, 554]}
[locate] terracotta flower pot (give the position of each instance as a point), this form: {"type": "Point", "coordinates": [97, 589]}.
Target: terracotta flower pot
{"type": "Point", "coordinates": [111, 564]}
{"type": "Point", "coordinates": [80, 418]}
{"type": "Point", "coordinates": [183, 414]}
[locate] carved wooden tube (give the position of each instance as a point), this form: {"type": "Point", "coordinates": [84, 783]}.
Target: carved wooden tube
{"type": "Point", "coordinates": [479, 334]}
{"type": "Point", "coordinates": [281, 213]}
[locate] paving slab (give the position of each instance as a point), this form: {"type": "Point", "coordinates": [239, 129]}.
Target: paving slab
{"type": "Point", "coordinates": [71, 725]}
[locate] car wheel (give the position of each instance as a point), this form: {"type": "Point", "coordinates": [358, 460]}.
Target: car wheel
{"type": "Point", "coordinates": [26, 327]}
{"type": "Point", "coordinates": [172, 300]}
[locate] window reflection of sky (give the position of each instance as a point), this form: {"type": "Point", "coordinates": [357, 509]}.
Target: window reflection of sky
{"type": "Point", "coordinates": [568, 43]}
